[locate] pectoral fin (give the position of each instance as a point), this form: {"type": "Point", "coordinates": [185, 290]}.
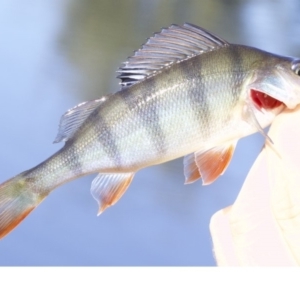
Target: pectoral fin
{"type": "Point", "coordinates": [107, 189]}
{"type": "Point", "coordinates": [213, 162]}
{"type": "Point", "coordinates": [249, 116]}
{"type": "Point", "coordinates": [191, 171]}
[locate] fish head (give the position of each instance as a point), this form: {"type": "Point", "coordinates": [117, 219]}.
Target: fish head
{"type": "Point", "coordinates": [289, 84]}
{"type": "Point", "coordinates": [278, 78]}
{"type": "Point", "coordinates": [274, 85]}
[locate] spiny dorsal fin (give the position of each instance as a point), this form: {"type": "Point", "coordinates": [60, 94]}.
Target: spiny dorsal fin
{"type": "Point", "coordinates": [171, 45]}
{"type": "Point", "coordinates": [74, 117]}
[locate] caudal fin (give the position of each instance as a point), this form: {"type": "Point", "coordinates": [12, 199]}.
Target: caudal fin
{"type": "Point", "coordinates": [17, 200]}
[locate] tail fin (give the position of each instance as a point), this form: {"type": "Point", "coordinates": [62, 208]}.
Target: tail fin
{"type": "Point", "coordinates": [17, 200]}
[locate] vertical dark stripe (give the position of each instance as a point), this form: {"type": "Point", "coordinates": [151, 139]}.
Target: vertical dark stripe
{"type": "Point", "coordinates": [236, 65]}
{"type": "Point", "coordinates": [106, 137]}
{"type": "Point", "coordinates": [198, 96]}
{"type": "Point", "coordinates": [149, 113]}
{"type": "Point", "coordinates": [236, 58]}
{"type": "Point", "coordinates": [74, 158]}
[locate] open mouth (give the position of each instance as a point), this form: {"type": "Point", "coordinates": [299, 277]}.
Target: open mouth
{"type": "Point", "coordinates": [262, 100]}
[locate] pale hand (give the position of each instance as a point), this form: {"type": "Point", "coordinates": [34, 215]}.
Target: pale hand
{"type": "Point", "coordinates": [262, 227]}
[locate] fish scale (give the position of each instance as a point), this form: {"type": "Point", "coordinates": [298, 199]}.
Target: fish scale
{"type": "Point", "coordinates": [185, 92]}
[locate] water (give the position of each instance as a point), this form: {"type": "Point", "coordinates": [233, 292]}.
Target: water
{"type": "Point", "coordinates": [55, 54]}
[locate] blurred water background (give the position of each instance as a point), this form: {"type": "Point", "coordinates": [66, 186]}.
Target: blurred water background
{"type": "Point", "coordinates": [55, 54]}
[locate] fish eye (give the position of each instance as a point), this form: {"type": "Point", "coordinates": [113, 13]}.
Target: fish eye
{"type": "Point", "coordinates": [296, 67]}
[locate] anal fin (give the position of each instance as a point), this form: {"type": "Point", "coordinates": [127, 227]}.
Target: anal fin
{"type": "Point", "coordinates": [213, 162]}
{"type": "Point", "coordinates": [107, 189]}
{"type": "Point", "coordinates": [191, 171]}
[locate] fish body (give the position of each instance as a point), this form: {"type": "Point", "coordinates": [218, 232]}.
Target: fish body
{"type": "Point", "coordinates": [185, 93]}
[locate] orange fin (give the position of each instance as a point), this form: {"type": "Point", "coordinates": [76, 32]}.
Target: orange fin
{"type": "Point", "coordinates": [213, 163]}
{"type": "Point", "coordinates": [17, 199]}
{"type": "Point", "coordinates": [191, 172]}
{"type": "Point", "coordinates": [107, 189]}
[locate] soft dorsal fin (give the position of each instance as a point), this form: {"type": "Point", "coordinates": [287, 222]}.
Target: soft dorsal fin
{"type": "Point", "coordinates": [74, 117]}
{"type": "Point", "coordinates": [169, 46]}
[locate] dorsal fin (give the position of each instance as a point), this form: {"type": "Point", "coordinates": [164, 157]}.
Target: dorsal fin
{"type": "Point", "coordinates": [171, 45]}
{"type": "Point", "coordinates": [74, 117]}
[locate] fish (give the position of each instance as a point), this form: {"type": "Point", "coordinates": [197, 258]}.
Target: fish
{"type": "Point", "coordinates": [185, 93]}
